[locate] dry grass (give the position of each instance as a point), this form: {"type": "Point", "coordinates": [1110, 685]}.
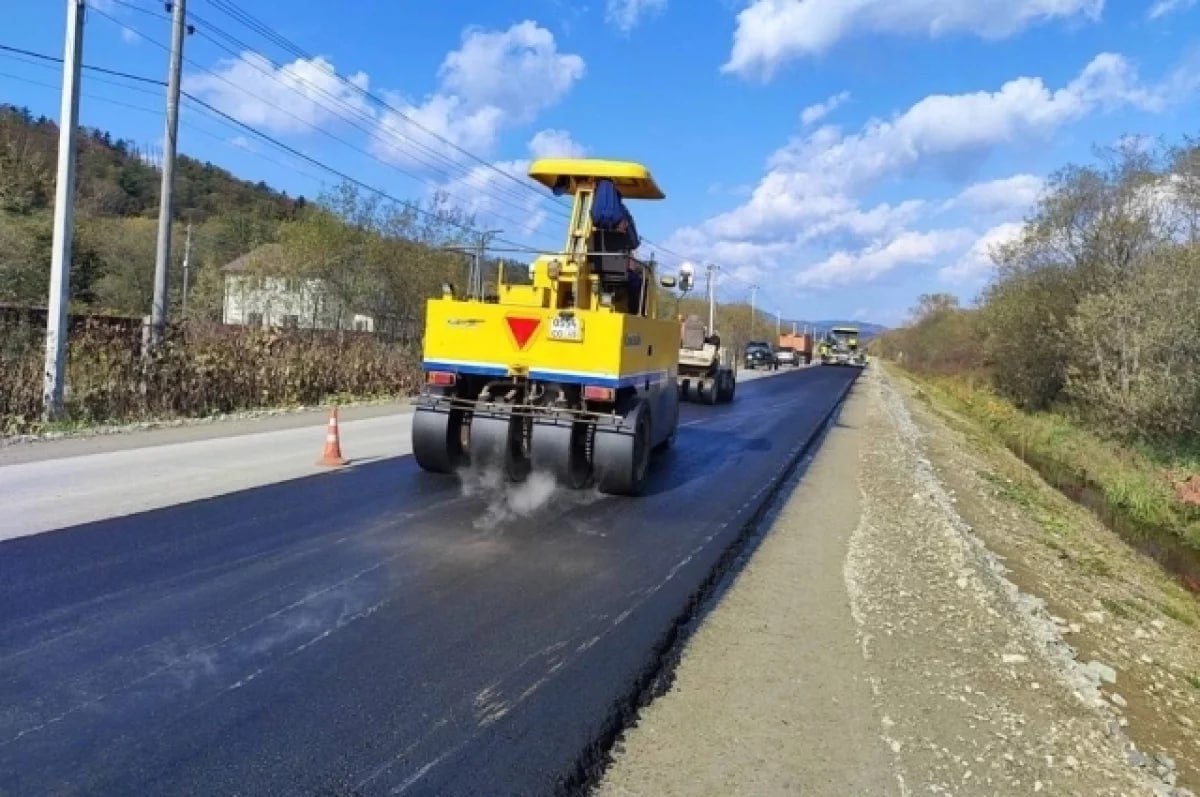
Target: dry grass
{"type": "Point", "coordinates": [201, 370]}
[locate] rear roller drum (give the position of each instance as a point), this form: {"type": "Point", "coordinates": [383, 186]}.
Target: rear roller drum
{"type": "Point", "coordinates": [622, 459]}
{"type": "Point", "coordinates": [498, 441]}
{"type": "Point", "coordinates": [437, 439]}
{"type": "Point", "coordinates": [562, 451]}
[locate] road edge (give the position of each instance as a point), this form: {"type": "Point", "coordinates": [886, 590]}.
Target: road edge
{"type": "Point", "coordinates": [658, 675]}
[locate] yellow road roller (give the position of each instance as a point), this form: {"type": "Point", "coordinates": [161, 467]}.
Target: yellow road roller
{"type": "Point", "coordinates": [570, 373]}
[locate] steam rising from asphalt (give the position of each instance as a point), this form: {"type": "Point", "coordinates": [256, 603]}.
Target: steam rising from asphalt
{"type": "Point", "coordinates": [507, 501]}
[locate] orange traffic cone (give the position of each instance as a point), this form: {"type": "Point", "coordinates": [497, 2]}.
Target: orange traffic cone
{"type": "Point", "coordinates": [333, 445]}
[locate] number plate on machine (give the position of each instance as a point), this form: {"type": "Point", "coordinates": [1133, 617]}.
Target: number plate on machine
{"type": "Point", "coordinates": [566, 327]}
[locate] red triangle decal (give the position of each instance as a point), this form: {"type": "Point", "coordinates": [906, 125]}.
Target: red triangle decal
{"type": "Point", "coordinates": [522, 328]}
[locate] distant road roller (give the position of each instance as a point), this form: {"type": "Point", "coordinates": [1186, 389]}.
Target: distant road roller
{"type": "Point", "coordinates": [706, 371]}
{"type": "Point", "coordinates": [840, 347]}
{"type": "Point", "coordinates": [572, 373]}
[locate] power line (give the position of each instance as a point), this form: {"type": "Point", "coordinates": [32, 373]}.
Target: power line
{"type": "Point", "coordinates": [265, 30]}
{"type": "Point", "coordinates": [191, 126]}
{"type": "Point", "coordinates": [360, 113]}
{"type": "Point", "coordinates": [271, 140]}
{"type": "Point", "coordinates": [454, 166]}
{"type": "Point", "coordinates": [200, 233]}
{"type": "Point", "coordinates": [319, 129]}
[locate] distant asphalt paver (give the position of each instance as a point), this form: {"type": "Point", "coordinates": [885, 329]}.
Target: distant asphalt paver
{"type": "Point", "coordinates": [367, 630]}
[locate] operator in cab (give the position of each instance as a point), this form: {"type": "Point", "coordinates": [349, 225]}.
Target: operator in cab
{"type": "Point", "coordinates": [637, 279]}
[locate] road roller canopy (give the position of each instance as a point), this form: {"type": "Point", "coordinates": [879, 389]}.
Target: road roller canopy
{"type": "Point", "coordinates": [566, 175]}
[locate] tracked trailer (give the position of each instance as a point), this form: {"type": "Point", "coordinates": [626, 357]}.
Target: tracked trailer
{"type": "Point", "coordinates": [571, 374]}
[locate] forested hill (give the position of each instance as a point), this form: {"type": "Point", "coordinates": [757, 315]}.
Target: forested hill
{"type": "Point", "coordinates": [115, 179]}
{"type": "Point", "coordinates": [117, 196]}
{"type": "Point", "coordinates": [389, 259]}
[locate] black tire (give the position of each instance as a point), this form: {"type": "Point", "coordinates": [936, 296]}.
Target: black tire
{"type": "Point", "coordinates": [562, 451]}
{"type": "Point", "coordinates": [725, 389]}
{"type": "Point", "coordinates": [621, 459]}
{"type": "Point", "coordinates": [437, 440]}
{"type": "Point", "coordinates": [498, 441]}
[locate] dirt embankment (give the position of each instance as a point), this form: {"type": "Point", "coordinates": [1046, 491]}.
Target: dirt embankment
{"type": "Point", "coordinates": [1126, 626]}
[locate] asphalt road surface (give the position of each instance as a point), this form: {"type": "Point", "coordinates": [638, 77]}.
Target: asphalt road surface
{"type": "Point", "coordinates": [372, 630]}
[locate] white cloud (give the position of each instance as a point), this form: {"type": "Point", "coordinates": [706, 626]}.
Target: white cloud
{"type": "Point", "coordinates": [907, 248]}
{"type": "Point", "coordinates": [497, 202]}
{"type": "Point", "coordinates": [626, 14]}
{"type": "Point", "coordinates": [518, 70]}
{"type": "Point", "coordinates": [816, 197]}
{"type": "Point", "coordinates": [1164, 7]}
{"type": "Point", "coordinates": [129, 35]}
{"type": "Point", "coordinates": [492, 81]}
{"type": "Point", "coordinates": [977, 261]}
{"type": "Point", "coordinates": [816, 181]}
{"type": "Point", "coordinates": [946, 129]}
{"type": "Point", "coordinates": [815, 113]}
{"type": "Point", "coordinates": [292, 99]}
{"type": "Point", "coordinates": [409, 134]}
{"type": "Point", "coordinates": [770, 33]}
{"type": "Point", "coordinates": [1008, 196]}
{"type": "Point", "coordinates": [555, 144]}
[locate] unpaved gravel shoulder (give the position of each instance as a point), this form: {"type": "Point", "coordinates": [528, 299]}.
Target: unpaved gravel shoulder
{"type": "Point", "coordinates": [771, 694]}
{"type": "Point", "coordinates": [981, 694]}
{"type": "Point", "coordinates": [873, 644]}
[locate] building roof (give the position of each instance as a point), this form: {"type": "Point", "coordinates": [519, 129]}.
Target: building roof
{"type": "Point", "coordinates": [266, 257]}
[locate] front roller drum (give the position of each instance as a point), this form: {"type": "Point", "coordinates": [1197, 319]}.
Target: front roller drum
{"type": "Point", "coordinates": [437, 439]}
{"type": "Point", "coordinates": [499, 441]}
{"type": "Point", "coordinates": [707, 391]}
{"type": "Point", "coordinates": [621, 459]}
{"type": "Point", "coordinates": [562, 450]}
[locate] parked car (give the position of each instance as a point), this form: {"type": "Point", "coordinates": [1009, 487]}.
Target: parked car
{"type": "Point", "coordinates": [786, 355]}
{"type": "Point", "coordinates": [760, 355]}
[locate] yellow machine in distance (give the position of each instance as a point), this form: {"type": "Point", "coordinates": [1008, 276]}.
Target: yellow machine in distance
{"type": "Point", "coordinates": [571, 373]}
{"type": "Point", "coordinates": [840, 347]}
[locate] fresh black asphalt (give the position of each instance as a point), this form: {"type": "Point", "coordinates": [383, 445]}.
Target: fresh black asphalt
{"type": "Point", "coordinates": [370, 630]}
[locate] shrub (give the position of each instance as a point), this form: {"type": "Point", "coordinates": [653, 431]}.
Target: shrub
{"type": "Point", "coordinates": [201, 369]}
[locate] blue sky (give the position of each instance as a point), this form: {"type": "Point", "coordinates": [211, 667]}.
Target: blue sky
{"type": "Point", "coordinates": [845, 155]}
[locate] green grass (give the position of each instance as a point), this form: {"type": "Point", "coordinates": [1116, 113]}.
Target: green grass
{"type": "Point", "coordinates": [1118, 608]}
{"type": "Point", "coordinates": [1178, 614]}
{"type": "Point", "coordinates": [1019, 494]}
{"type": "Point", "coordinates": [1135, 482]}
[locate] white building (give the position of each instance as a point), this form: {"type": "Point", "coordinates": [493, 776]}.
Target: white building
{"type": "Point", "coordinates": [253, 297]}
